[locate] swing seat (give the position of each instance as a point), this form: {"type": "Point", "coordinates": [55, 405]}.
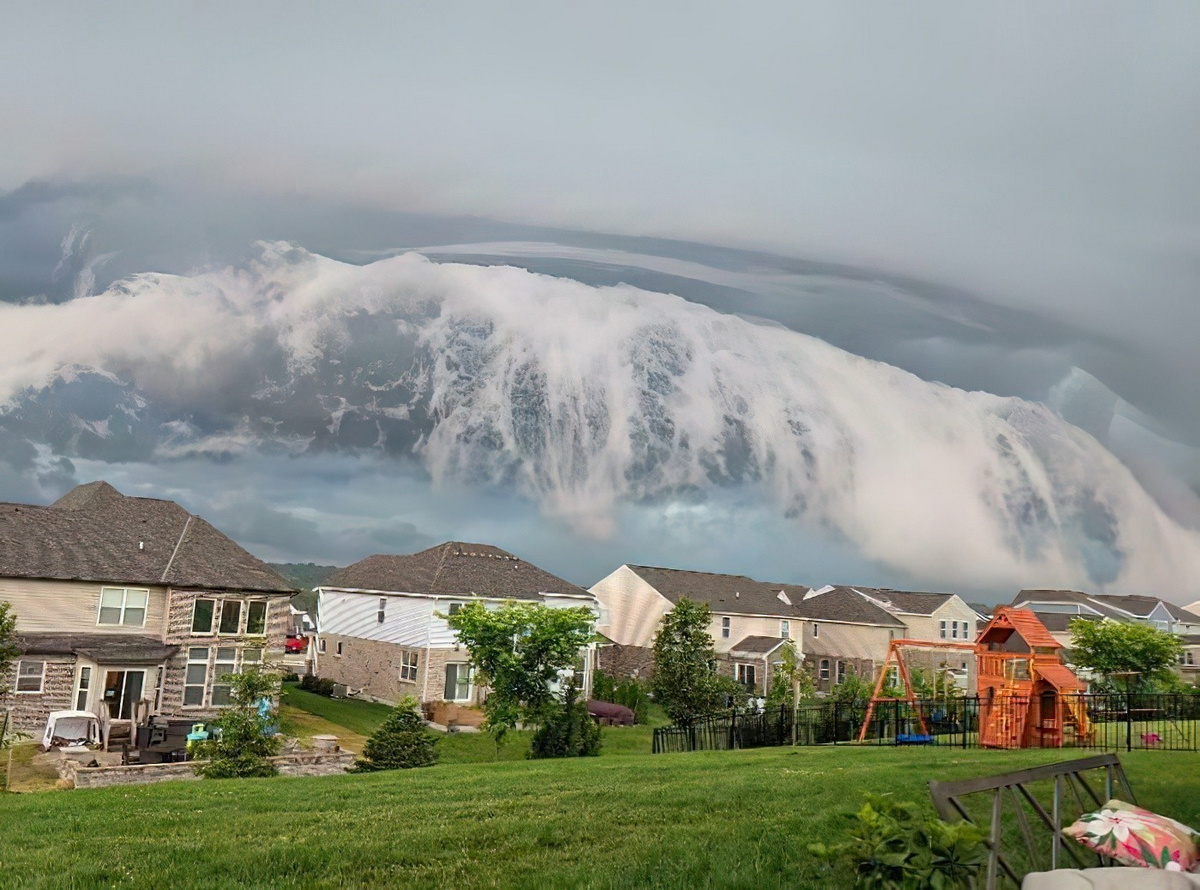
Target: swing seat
{"type": "Point", "coordinates": [915, 738]}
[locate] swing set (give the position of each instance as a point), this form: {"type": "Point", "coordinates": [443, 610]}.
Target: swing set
{"type": "Point", "coordinates": [896, 655]}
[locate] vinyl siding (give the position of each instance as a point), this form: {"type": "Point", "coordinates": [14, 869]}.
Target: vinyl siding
{"type": "Point", "coordinates": [630, 608]}
{"type": "Point", "coordinates": [861, 641]}
{"type": "Point", "coordinates": [742, 626]}
{"type": "Point", "coordinates": [73, 606]}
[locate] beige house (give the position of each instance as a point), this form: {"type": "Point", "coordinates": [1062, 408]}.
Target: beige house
{"type": "Point", "coordinates": [382, 627]}
{"type": "Point", "coordinates": [843, 633]}
{"type": "Point", "coordinates": [131, 605]}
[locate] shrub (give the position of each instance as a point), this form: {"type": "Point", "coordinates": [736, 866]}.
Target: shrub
{"type": "Point", "coordinates": [309, 682]}
{"type": "Point", "coordinates": [247, 737]}
{"type": "Point", "coordinates": [628, 692]}
{"type": "Point", "coordinates": [325, 687]}
{"type": "Point", "coordinates": [895, 846]}
{"type": "Point", "coordinates": [401, 742]}
{"type": "Point", "coordinates": [317, 685]}
{"type": "Point", "coordinates": [291, 677]}
{"type": "Point", "coordinates": [568, 731]}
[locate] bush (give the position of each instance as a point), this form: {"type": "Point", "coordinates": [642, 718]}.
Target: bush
{"type": "Point", "coordinates": [569, 731]}
{"type": "Point", "coordinates": [291, 677]}
{"type": "Point", "coordinates": [401, 742]}
{"type": "Point", "coordinates": [895, 846]}
{"type": "Point", "coordinates": [628, 692]}
{"type": "Point", "coordinates": [309, 682]}
{"type": "Point", "coordinates": [317, 685]}
{"type": "Point", "coordinates": [247, 736]}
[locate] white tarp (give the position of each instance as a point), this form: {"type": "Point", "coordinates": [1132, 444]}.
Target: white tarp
{"type": "Point", "coordinates": [71, 728]}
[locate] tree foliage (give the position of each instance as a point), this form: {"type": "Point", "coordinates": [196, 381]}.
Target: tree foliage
{"type": "Point", "coordinates": [790, 670]}
{"type": "Point", "coordinates": [1112, 647]}
{"type": "Point", "coordinates": [8, 644]}
{"type": "Point", "coordinates": [684, 680]}
{"type": "Point", "coordinates": [569, 732]}
{"type": "Point", "coordinates": [247, 737]}
{"type": "Point", "coordinates": [402, 741]}
{"type": "Point", "coordinates": [518, 651]}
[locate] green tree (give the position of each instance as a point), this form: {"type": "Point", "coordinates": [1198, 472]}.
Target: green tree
{"type": "Point", "coordinates": [401, 742]}
{"type": "Point", "coordinates": [8, 654]}
{"type": "Point", "coordinates": [685, 683]}
{"type": "Point", "coordinates": [1111, 648]}
{"type": "Point", "coordinates": [246, 735]}
{"type": "Point", "coordinates": [788, 671]}
{"type": "Point", "coordinates": [569, 732]}
{"type": "Point", "coordinates": [518, 651]}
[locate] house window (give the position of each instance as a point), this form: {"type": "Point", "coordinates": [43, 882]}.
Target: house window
{"type": "Point", "coordinates": [409, 662]}
{"type": "Point", "coordinates": [252, 658]}
{"type": "Point", "coordinates": [745, 676]}
{"type": "Point", "coordinates": [943, 624]}
{"type": "Point", "coordinates": [82, 688]}
{"type": "Point", "coordinates": [123, 690]}
{"type": "Point", "coordinates": [256, 618]}
{"type": "Point", "coordinates": [120, 606]}
{"type": "Point", "coordinates": [841, 671]}
{"type": "Point", "coordinates": [823, 672]}
{"type": "Point", "coordinates": [785, 630]}
{"type": "Point", "coordinates": [954, 629]}
{"type": "Point", "coordinates": [30, 676]}
{"type": "Point", "coordinates": [726, 627]}
{"type": "Point", "coordinates": [454, 608]}
{"type": "Point", "coordinates": [321, 646]}
{"type": "Point", "coordinates": [379, 616]}
{"type": "Point", "coordinates": [224, 665]}
{"type": "Point", "coordinates": [196, 677]}
{"type": "Point", "coordinates": [338, 651]}
{"type": "Point", "coordinates": [816, 629]}
{"type": "Point", "coordinates": [231, 617]}
{"type": "Point", "coordinates": [203, 612]}
{"type": "Point", "coordinates": [458, 681]}
{"type": "Point", "coordinates": [1189, 658]}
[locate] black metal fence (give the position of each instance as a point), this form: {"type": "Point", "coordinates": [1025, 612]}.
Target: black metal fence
{"type": "Point", "coordinates": [1102, 721]}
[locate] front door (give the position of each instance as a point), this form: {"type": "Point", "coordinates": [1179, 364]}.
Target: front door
{"type": "Point", "coordinates": [122, 690]}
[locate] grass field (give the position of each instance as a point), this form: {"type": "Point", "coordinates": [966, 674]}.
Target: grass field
{"type": "Point", "coordinates": [717, 819]}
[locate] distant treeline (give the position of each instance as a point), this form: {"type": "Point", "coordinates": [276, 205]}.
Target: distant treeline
{"type": "Point", "coordinates": [306, 576]}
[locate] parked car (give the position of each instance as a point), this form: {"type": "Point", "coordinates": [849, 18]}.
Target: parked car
{"type": "Point", "coordinates": [296, 645]}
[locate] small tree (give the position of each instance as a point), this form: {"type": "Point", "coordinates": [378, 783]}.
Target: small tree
{"type": "Point", "coordinates": [569, 732]}
{"type": "Point", "coordinates": [246, 735]}
{"type": "Point", "coordinates": [1111, 648]}
{"type": "Point", "coordinates": [789, 672]}
{"type": "Point", "coordinates": [8, 654]}
{"type": "Point", "coordinates": [518, 651]}
{"type": "Point", "coordinates": [401, 742]}
{"type": "Point", "coordinates": [684, 680]}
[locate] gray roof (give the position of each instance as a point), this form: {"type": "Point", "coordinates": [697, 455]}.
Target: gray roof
{"type": "Point", "coordinates": [111, 648]}
{"type": "Point", "coordinates": [1060, 622]}
{"type": "Point", "coordinates": [455, 568]}
{"type": "Point", "coordinates": [722, 593]}
{"type": "Point", "coordinates": [908, 601]}
{"type": "Point", "coordinates": [95, 533]}
{"type": "Point", "coordinates": [1113, 611]}
{"type": "Point", "coordinates": [758, 645]}
{"type": "Point", "coordinates": [843, 604]}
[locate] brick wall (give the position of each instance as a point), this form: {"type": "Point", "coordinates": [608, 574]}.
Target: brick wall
{"type": "Point", "coordinates": [374, 667]}
{"type": "Point", "coordinates": [29, 710]}
{"type": "Point", "coordinates": [862, 667]}
{"type": "Point", "coordinates": [626, 661]}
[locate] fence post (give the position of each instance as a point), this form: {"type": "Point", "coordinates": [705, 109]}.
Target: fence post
{"type": "Point", "coordinates": [1128, 722]}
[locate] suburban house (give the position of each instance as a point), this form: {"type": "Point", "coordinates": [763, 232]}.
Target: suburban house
{"type": "Point", "coordinates": [835, 631]}
{"type": "Point", "coordinates": [132, 605]}
{"type": "Point", "coordinates": [932, 617]}
{"type": "Point", "coordinates": [843, 633]}
{"type": "Point", "coordinates": [382, 621]}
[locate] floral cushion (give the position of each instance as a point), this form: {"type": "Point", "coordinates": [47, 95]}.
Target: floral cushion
{"type": "Point", "coordinates": [1134, 836]}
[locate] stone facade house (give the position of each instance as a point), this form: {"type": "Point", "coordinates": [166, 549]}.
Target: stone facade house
{"type": "Point", "coordinates": [132, 605]}
{"type": "Point", "coordinates": [381, 627]}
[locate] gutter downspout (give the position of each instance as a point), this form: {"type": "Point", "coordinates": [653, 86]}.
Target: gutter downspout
{"type": "Point", "coordinates": [428, 649]}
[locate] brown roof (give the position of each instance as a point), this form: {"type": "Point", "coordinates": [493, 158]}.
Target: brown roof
{"type": "Point", "coordinates": [95, 533]}
{"type": "Point", "coordinates": [1006, 621]}
{"type": "Point", "coordinates": [111, 648]}
{"type": "Point", "coordinates": [454, 569]}
{"type": "Point", "coordinates": [908, 601]}
{"type": "Point", "coordinates": [843, 604]}
{"type": "Point", "coordinates": [758, 645]}
{"type": "Point", "coordinates": [1061, 677]}
{"type": "Point", "coordinates": [722, 593]}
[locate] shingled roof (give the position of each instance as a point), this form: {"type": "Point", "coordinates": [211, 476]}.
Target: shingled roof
{"type": "Point", "coordinates": [722, 593]}
{"type": "Point", "coordinates": [95, 533]}
{"type": "Point", "coordinates": [907, 601]}
{"type": "Point", "coordinates": [455, 568]}
{"type": "Point", "coordinates": [842, 604]}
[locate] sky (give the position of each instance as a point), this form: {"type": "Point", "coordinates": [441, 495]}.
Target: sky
{"type": "Point", "coordinates": [1002, 197]}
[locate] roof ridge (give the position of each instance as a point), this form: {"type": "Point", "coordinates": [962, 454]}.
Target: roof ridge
{"type": "Point", "coordinates": [441, 564]}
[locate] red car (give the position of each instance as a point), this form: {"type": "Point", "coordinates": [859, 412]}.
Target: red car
{"type": "Point", "coordinates": [296, 645]}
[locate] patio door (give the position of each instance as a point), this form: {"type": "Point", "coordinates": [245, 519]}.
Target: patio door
{"type": "Point", "coordinates": [122, 690]}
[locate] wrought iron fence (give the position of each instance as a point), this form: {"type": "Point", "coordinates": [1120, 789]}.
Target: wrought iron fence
{"type": "Point", "coordinates": [1101, 721]}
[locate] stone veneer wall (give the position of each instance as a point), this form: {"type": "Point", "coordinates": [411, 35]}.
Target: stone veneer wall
{"type": "Point", "coordinates": [301, 764]}
{"type": "Point", "coordinates": [374, 667]}
{"type": "Point", "coordinates": [179, 633]}
{"type": "Point", "coordinates": [626, 661]}
{"type": "Point", "coordinates": [30, 710]}
{"type": "Point", "coordinates": [863, 667]}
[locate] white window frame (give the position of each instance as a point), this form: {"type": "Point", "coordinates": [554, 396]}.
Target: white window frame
{"type": "Point", "coordinates": [41, 677]}
{"type": "Point", "coordinates": [726, 627]}
{"type": "Point", "coordinates": [823, 669]}
{"type": "Point", "coordinates": [785, 629]}
{"type": "Point", "coordinates": [943, 629]}
{"type": "Point", "coordinates": [816, 629]}
{"type": "Point", "coordinates": [954, 630]}
{"type": "Point", "coordinates": [212, 622]}
{"type": "Point", "coordinates": [240, 621]}
{"type": "Point", "coordinates": [410, 666]}
{"type": "Point", "coordinates": [457, 685]}
{"type": "Point", "coordinates": [82, 688]}
{"type": "Point", "coordinates": [125, 591]}
{"type": "Point", "coordinates": [740, 669]}
{"type": "Point", "coordinates": [381, 614]}
{"type": "Point", "coordinates": [266, 617]}
{"type": "Point", "coordinates": [231, 662]}
{"type": "Point", "coordinates": [202, 686]}
{"type": "Point", "coordinates": [337, 650]}
{"type": "Point", "coordinates": [841, 671]}
{"type": "Point", "coordinates": [320, 645]}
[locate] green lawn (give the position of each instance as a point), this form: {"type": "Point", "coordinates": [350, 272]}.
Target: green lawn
{"type": "Point", "coordinates": [718, 819]}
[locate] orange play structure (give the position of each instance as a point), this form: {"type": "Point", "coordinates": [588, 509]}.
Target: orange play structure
{"type": "Point", "coordinates": [1027, 696]}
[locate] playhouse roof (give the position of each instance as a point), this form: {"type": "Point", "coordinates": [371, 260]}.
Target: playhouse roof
{"type": "Point", "coordinates": [1022, 622]}
{"type": "Point", "coordinates": [1060, 677]}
